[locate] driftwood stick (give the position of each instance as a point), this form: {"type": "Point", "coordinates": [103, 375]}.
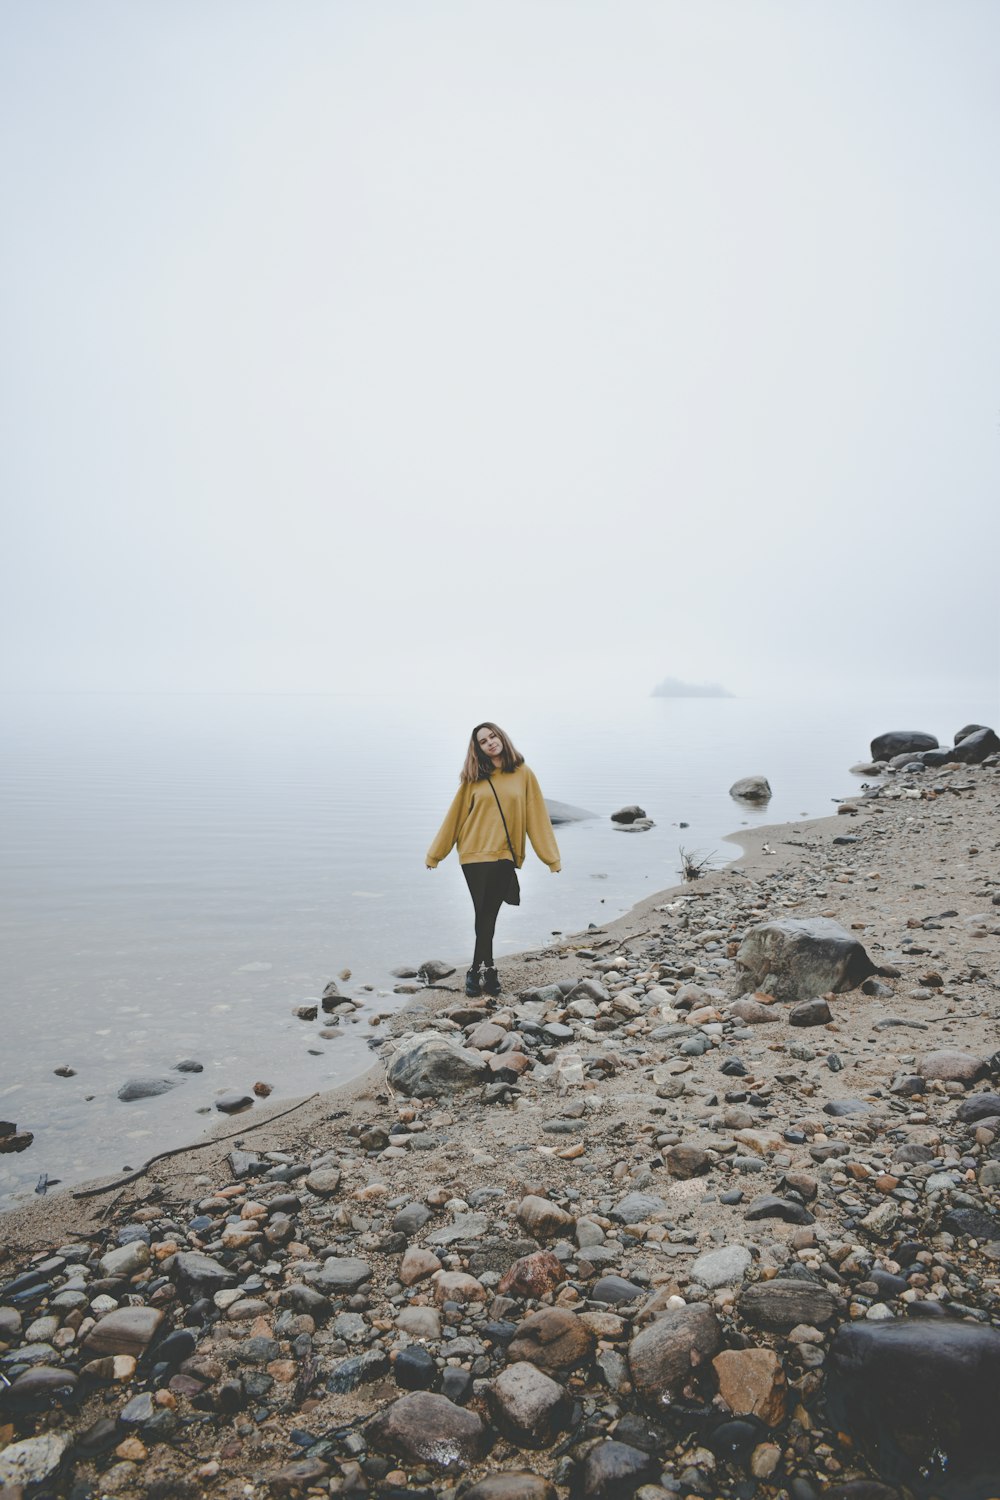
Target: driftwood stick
{"type": "Point", "coordinates": [180, 1150]}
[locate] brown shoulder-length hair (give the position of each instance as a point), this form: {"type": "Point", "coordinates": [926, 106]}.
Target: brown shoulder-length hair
{"type": "Point", "coordinates": [478, 765]}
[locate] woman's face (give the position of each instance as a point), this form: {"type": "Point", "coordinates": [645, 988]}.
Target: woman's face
{"type": "Point", "coordinates": [489, 742]}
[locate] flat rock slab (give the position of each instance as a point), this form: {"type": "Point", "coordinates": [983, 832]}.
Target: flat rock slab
{"type": "Point", "coordinates": [920, 1397]}
{"type": "Point", "coordinates": [465, 1227]}
{"type": "Point", "coordinates": [779, 1306]}
{"type": "Point", "coordinates": [514, 1484]}
{"type": "Point", "coordinates": [145, 1088]}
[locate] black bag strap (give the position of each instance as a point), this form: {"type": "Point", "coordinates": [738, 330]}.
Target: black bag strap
{"type": "Point", "coordinates": [503, 820]}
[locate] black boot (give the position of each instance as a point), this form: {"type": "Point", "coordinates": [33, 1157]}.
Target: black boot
{"type": "Point", "coordinates": [491, 981]}
{"type": "Point", "coordinates": [473, 988]}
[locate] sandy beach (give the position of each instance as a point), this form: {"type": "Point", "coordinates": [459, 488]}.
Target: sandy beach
{"type": "Point", "coordinates": [642, 1245]}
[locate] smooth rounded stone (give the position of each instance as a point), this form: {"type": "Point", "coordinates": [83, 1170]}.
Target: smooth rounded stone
{"type": "Point", "coordinates": [921, 1398]}
{"type": "Point", "coordinates": [952, 1067]}
{"type": "Point", "coordinates": [419, 1322]}
{"type": "Point", "coordinates": [614, 1471]}
{"type": "Point", "coordinates": [978, 1107]}
{"type": "Point", "coordinates": [324, 1182]}
{"type": "Point", "coordinates": [799, 958]}
{"type": "Point", "coordinates": [30, 1354]}
{"type": "Point", "coordinates": [486, 1037]}
{"type": "Point", "coordinates": [724, 1267]}
{"type": "Point", "coordinates": [139, 1410]}
{"type": "Point", "coordinates": [615, 1289]}
{"type": "Point", "coordinates": [670, 1349]}
{"type": "Point", "coordinates": [127, 1330]}
{"type": "Point", "coordinates": [779, 1305]}
{"type": "Point", "coordinates": [527, 1406]}
{"type": "Point", "coordinates": [542, 1218]}
{"type": "Point", "coordinates": [814, 1012]}
{"type": "Point", "coordinates": [33, 1460]}
{"type": "Point", "coordinates": [965, 731]}
{"type": "Point", "coordinates": [515, 1484]}
{"type": "Point", "coordinates": [342, 1274]}
{"type": "Point", "coordinates": [900, 742]}
{"type": "Point", "coordinates": [751, 789]}
{"type": "Point", "coordinates": [411, 1219]}
{"type": "Point", "coordinates": [637, 1207]}
{"type": "Point", "coordinates": [433, 970]}
{"type": "Point", "coordinates": [427, 1429]}
{"type": "Point", "coordinates": [753, 1012]}
{"type": "Point", "coordinates": [145, 1088]}
{"type": "Point", "coordinates": [125, 1261]}
{"type": "Point", "coordinates": [553, 1339]}
{"type": "Point", "coordinates": [532, 1276]}
{"type": "Point", "coordinates": [426, 1066]}
{"type": "Point", "coordinates": [752, 1383]}
{"type": "Point", "coordinates": [414, 1369]}
{"type": "Point", "coordinates": [839, 1108]}
{"type": "Point", "coordinates": [199, 1275]}
{"type": "Point", "coordinates": [41, 1382]}
{"type": "Point", "coordinates": [417, 1264]}
{"type": "Point", "coordinates": [695, 1046]}
{"type": "Point", "coordinates": [770, 1206]}
{"type": "Point", "coordinates": [688, 1161]}
{"type": "Point", "coordinates": [458, 1287]}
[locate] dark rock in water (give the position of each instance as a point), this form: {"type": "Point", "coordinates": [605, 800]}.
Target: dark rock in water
{"type": "Point", "coordinates": [16, 1140]}
{"type": "Point", "coordinates": [434, 969]}
{"type": "Point", "coordinates": [564, 812]}
{"type": "Point", "coordinates": [978, 1107]}
{"type": "Point", "coordinates": [768, 1206]}
{"type": "Point", "coordinates": [797, 959]}
{"type": "Point", "coordinates": [628, 814]}
{"type": "Point", "coordinates": [614, 1471]}
{"type": "Point", "coordinates": [780, 1305]}
{"type": "Point", "coordinates": [667, 1354]}
{"type": "Point", "coordinates": [145, 1088]}
{"type": "Point", "coordinates": [897, 741]}
{"type": "Point", "coordinates": [921, 1399]}
{"type": "Point", "coordinates": [188, 1065]}
{"type": "Point", "coordinates": [973, 1222]}
{"type": "Point", "coordinates": [426, 1429]}
{"type": "Point", "coordinates": [426, 1066]}
{"type": "Point", "coordinates": [810, 1013]}
{"type": "Point", "coordinates": [751, 789]}
{"type": "Point", "coordinates": [233, 1102]}
{"type": "Point", "coordinates": [976, 747]}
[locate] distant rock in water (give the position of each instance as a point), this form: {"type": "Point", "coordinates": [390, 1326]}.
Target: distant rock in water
{"type": "Point", "coordinates": [146, 1088]}
{"type": "Point", "coordinates": [751, 789]}
{"type": "Point", "coordinates": [673, 687]}
{"type": "Point", "coordinates": [564, 812]}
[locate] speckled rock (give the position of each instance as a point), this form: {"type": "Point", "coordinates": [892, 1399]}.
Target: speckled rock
{"type": "Point", "coordinates": [668, 1352]}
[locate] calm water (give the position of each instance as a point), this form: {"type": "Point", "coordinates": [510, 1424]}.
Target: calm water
{"type": "Point", "coordinates": [178, 872]}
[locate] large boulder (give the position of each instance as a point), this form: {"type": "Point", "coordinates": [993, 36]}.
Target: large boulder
{"type": "Point", "coordinates": [898, 741]}
{"type": "Point", "coordinates": [751, 789]}
{"type": "Point", "coordinates": [975, 747]}
{"type": "Point", "coordinates": [922, 1399]}
{"type": "Point", "coordinates": [424, 1067]}
{"type": "Point", "coordinates": [800, 958]}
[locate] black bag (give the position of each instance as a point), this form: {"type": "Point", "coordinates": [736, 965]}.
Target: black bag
{"type": "Point", "coordinates": [512, 895]}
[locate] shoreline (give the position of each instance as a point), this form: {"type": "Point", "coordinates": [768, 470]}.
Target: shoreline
{"type": "Point", "coordinates": [649, 1235]}
{"type": "Point", "coordinates": [31, 1224]}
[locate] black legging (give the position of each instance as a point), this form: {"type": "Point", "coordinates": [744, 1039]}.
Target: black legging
{"type": "Point", "coordinates": [487, 883]}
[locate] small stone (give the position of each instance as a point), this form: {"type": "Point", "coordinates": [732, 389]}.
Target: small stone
{"type": "Point", "coordinates": [513, 1484]}
{"type": "Point", "coordinates": [688, 1161]}
{"type": "Point", "coordinates": [342, 1274]}
{"type": "Point", "coordinates": [128, 1330]}
{"type": "Point", "coordinates": [232, 1102]}
{"type": "Point", "coordinates": [724, 1267]}
{"type": "Point", "coordinates": [417, 1264]}
{"type": "Point", "coordinates": [952, 1067]}
{"type": "Point", "coordinates": [324, 1182]}
{"type": "Point", "coordinates": [542, 1218]}
{"type": "Point", "coordinates": [532, 1276]}
{"type": "Point", "coordinates": [810, 1013]}
{"type": "Point", "coordinates": [125, 1261]}
{"type": "Point", "coordinates": [781, 1304]}
{"type": "Point", "coordinates": [414, 1369]}
{"type": "Point", "coordinates": [553, 1339]}
{"type": "Point", "coordinates": [615, 1471]}
{"type": "Point", "coordinates": [637, 1207]}
{"type": "Point", "coordinates": [145, 1088]}
{"type": "Point", "coordinates": [769, 1206]}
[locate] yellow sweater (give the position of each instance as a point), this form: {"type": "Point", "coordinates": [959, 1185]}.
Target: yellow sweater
{"type": "Point", "coordinates": [473, 822]}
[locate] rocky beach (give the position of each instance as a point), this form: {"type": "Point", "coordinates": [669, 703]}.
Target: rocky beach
{"type": "Point", "coordinates": [705, 1204]}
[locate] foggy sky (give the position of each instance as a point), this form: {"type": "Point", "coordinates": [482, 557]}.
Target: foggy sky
{"type": "Point", "coordinates": [380, 344]}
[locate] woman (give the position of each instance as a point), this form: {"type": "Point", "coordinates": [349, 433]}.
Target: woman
{"type": "Point", "coordinates": [497, 803]}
